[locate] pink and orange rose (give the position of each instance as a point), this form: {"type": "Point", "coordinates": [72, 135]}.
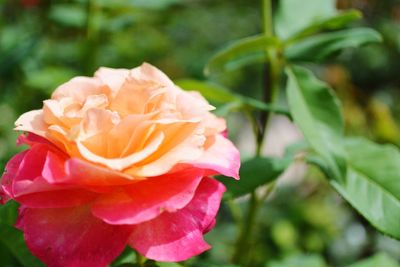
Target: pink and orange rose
{"type": "Point", "coordinates": [121, 158]}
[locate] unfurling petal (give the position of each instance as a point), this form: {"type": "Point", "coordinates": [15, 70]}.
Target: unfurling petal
{"type": "Point", "coordinates": [220, 157]}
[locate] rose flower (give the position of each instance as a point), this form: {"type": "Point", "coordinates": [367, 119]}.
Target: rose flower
{"type": "Point", "coordinates": [121, 158]}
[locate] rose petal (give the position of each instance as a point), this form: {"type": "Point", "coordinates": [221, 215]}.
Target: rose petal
{"type": "Point", "coordinates": [30, 139]}
{"type": "Point", "coordinates": [178, 236]}
{"type": "Point", "coordinates": [147, 199]}
{"type": "Point", "coordinates": [114, 78]}
{"type": "Point", "coordinates": [32, 122]}
{"type": "Point", "coordinates": [148, 73]}
{"type": "Point", "coordinates": [182, 143]}
{"type": "Point", "coordinates": [88, 174]}
{"type": "Point", "coordinates": [24, 181]}
{"type": "Point", "coordinates": [220, 157]}
{"type": "Point", "coordinates": [79, 88]}
{"type": "Point", "coordinates": [71, 237]}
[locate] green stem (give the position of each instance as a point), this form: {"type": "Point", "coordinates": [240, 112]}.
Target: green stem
{"type": "Point", "coordinates": [241, 255]}
{"type": "Point", "coordinates": [242, 251]}
{"type": "Point", "coordinates": [140, 260]}
{"type": "Point", "coordinates": [267, 17]}
{"type": "Point", "coordinates": [91, 33]}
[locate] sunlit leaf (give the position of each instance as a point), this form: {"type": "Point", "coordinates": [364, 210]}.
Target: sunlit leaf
{"type": "Point", "coordinates": [316, 110]}
{"type": "Point", "coordinates": [240, 53]}
{"type": "Point", "coordinates": [372, 183]}
{"type": "Point", "coordinates": [381, 260]}
{"type": "Point", "coordinates": [68, 15]}
{"type": "Point", "coordinates": [321, 46]}
{"type": "Point", "coordinates": [293, 15]}
{"type": "Point", "coordinates": [337, 21]}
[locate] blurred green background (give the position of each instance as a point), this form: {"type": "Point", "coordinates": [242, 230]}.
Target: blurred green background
{"type": "Point", "coordinates": [44, 43]}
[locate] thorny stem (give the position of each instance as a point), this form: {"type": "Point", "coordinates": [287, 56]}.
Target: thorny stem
{"type": "Point", "coordinates": [242, 251]}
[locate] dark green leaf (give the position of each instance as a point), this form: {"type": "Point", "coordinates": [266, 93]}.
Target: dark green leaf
{"type": "Point", "coordinates": [321, 46]}
{"type": "Point", "coordinates": [372, 183]}
{"type": "Point", "coordinates": [316, 110]}
{"type": "Point", "coordinates": [14, 241]}
{"type": "Point", "coordinates": [259, 171]}
{"type": "Point", "coordinates": [381, 260]}
{"type": "Point", "coordinates": [299, 261]}
{"type": "Point", "coordinates": [9, 213]}
{"type": "Point", "coordinates": [240, 53]}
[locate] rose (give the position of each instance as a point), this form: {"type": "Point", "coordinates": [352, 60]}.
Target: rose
{"type": "Point", "coordinates": [124, 157]}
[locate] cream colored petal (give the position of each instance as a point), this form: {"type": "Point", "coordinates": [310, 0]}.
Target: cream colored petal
{"type": "Point", "coordinates": [113, 78]}
{"type": "Point", "coordinates": [97, 121]}
{"type": "Point", "coordinates": [79, 88]}
{"type": "Point", "coordinates": [32, 122]}
{"type": "Point", "coordinates": [148, 73]}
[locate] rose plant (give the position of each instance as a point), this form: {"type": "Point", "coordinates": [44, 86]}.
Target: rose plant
{"type": "Point", "coordinates": [121, 158]}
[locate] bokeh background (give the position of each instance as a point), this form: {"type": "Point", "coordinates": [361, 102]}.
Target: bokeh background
{"type": "Point", "coordinates": [43, 43]}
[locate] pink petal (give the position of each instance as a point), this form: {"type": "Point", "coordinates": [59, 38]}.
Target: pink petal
{"type": "Point", "coordinates": [30, 139]}
{"type": "Point", "coordinates": [71, 237]}
{"type": "Point", "coordinates": [147, 199]}
{"type": "Point", "coordinates": [91, 175]}
{"type": "Point", "coordinates": [178, 236]}
{"type": "Point", "coordinates": [220, 157]}
{"type": "Point", "coordinates": [23, 181]}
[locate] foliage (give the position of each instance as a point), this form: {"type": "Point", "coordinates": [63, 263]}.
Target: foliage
{"type": "Point", "coordinates": [256, 76]}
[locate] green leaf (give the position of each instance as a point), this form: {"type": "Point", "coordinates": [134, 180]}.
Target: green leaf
{"type": "Point", "coordinates": [218, 94]}
{"type": "Point", "coordinates": [337, 21]}
{"type": "Point", "coordinates": [259, 171]}
{"type": "Point", "coordinates": [14, 241]}
{"type": "Point", "coordinates": [321, 46]}
{"type": "Point", "coordinates": [316, 110]}
{"type": "Point", "coordinates": [211, 91]}
{"type": "Point", "coordinates": [380, 259]}
{"type": "Point", "coordinates": [372, 184]}
{"type": "Point", "coordinates": [9, 213]}
{"type": "Point", "coordinates": [68, 15]}
{"type": "Point", "coordinates": [292, 15]}
{"type": "Point", "coordinates": [299, 261]}
{"type": "Point", "coordinates": [240, 53]}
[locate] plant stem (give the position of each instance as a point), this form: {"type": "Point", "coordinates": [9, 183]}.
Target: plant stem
{"type": "Point", "coordinates": [267, 17]}
{"type": "Point", "coordinates": [242, 246]}
{"type": "Point", "coordinates": [140, 260]}
{"type": "Point", "coordinates": [241, 255]}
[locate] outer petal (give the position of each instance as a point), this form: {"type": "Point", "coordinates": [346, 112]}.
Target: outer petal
{"type": "Point", "coordinates": [220, 157]}
{"type": "Point", "coordinates": [71, 237]}
{"type": "Point", "coordinates": [24, 181]}
{"type": "Point", "coordinates": [178, 236]}
{"type": "Point", "coordinates": [147, 199]}
{"type": "Point", "coordinates": [32, 122]}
